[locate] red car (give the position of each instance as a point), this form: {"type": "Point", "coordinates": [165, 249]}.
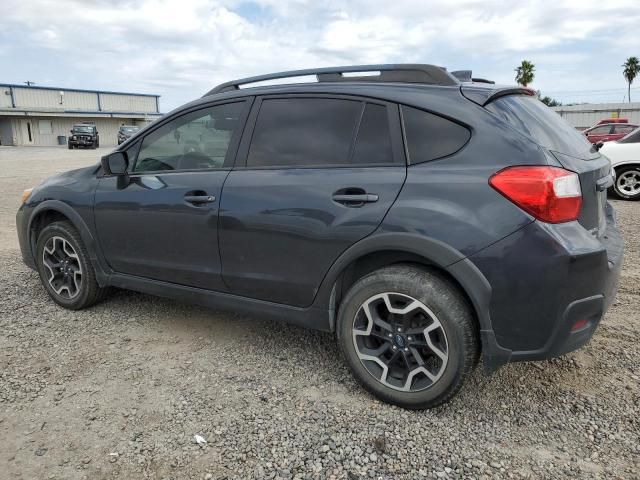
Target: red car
{"type": "Point", "coordinates": [609, 132]}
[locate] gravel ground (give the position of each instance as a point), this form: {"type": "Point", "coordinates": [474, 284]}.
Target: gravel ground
{"type": "Point", "coordinates": [120, 390]}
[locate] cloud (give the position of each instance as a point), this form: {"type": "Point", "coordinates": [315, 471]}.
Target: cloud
{"type": "Point", "coordinates": [181, 48]}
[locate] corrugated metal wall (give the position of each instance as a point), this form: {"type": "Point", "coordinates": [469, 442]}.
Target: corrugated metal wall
{"type": "Point", "coordinates": [51, 99]}
{"type": "Point", "coordinates": [127, 103]}
{"type": "Point", "coordinates": [54, 100]}
{"type": "Point", "coordinates": [586, 115]}
{"type": "Point", "coordinates": [5, 97]}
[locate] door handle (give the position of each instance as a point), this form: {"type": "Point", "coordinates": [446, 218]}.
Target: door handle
{"type": "Point", "coordinates": [360, 198]}
{"type": "Point", "coordinates": [353, 197]}
{"type": "Point", "coordinates": [199, 199]}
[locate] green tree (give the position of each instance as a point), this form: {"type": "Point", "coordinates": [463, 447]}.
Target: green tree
{"type": "Point", "coordinates": [525, 73]}
{"type": "Point", "coordinates": [548, 101]}
{"type": "Point", "coordinates": [631, 68]}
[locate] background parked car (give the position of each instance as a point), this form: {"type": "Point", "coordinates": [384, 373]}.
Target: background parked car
{"type": "Point", "coordinates": [625, 158]}
{"type": "Point", "coordinates": [609, 132]}
{"type": "Point", "coordinates": [126, 132]}
{"type": "Point", "coordinates": [84, 135]}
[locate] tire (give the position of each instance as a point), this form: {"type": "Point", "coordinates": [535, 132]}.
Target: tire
{"type": "Point", "coordinates": [70, 147]}
{"type": "Point", "coordinates": [627, 183]}
{"type": "Point", "coordinates": [433, 304]}
{"type": "Point", "coordinates": [60, 242]}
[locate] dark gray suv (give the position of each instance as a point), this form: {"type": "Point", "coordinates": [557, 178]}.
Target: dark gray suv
{"type": "Point", "coordinates": [426, 218]}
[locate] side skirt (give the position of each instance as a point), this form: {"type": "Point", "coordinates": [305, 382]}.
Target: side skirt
{"type": "Point", "coordinates": [313, 317]}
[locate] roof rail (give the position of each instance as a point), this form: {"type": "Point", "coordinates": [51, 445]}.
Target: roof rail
{"type": "Point", "coordinates": [401, 73]}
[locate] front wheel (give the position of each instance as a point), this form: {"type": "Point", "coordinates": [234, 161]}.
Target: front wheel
{"type": "Point", "coordinates": [64, 267]}
{"type": "Point", "coordinates": [408, 336]}
{"type": "Point", "coordinates": [627, 184]}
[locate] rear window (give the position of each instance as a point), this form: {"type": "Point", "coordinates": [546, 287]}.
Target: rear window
{"type": "Point", "coordinates": [533, 118]}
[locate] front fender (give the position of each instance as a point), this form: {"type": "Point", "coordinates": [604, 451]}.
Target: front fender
{"type": "Point", "coordinates": [80, 225]}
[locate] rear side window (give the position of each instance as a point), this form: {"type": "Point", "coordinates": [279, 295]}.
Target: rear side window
{"type": "Point", "coordinates": [299, 132]}
{"type": "Point", "coordinates": [633, 137]}
{"type": "Point", "coordinates": [624, 129]}
{"type": "Point", "coordinates": [429, 136]}
{"type": "Point", "coordinates": [530, 116]}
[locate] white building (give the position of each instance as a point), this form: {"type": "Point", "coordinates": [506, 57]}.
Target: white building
{"type": "Point", "coordinates": [588, 114]}
{"type": "Point", "coordinates": [32, 115]}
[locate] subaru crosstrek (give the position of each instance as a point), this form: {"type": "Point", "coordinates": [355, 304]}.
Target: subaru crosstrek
{"type": "Point", "coordinates": [426, 219]}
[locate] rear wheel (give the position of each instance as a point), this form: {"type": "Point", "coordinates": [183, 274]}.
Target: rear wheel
{"type": "Point", "coordinates": [64, 267]}
{"type": "Point", "coordinates": [627, 184]}
{"type": "Point", "coordinates": [408, 336]}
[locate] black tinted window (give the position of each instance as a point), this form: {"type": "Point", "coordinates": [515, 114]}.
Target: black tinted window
{"type": "Point", "coordinates": [430, 136]}
{"type": "Point", "coordinates": [295, 132]}
{"type": "Point", "coordinates": [196, 140]}
{"type": "Point", "coordinates": [373, 143]}
{"type": "Point", "coordinates": [533, 118]}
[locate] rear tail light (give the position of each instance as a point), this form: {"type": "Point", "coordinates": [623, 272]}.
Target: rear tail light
{"type": "Point", "coordinates": [550, 194]}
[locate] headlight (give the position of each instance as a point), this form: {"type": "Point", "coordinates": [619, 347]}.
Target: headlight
{"type": "Point", "coordinates": [26, 194]}
{"type": "Point", "coordinates": [73, 137]}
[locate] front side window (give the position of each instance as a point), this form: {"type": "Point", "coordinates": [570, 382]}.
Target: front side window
{"type": "Point", "coordinates": [195, 141]}
{"type": "Point", "coordinates": [606, 130]}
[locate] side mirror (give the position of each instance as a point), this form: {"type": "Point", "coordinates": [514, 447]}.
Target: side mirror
{"type": "Point", "coordinates": [115, 163]}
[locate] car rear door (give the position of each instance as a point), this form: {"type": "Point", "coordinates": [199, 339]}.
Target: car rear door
{"type": "Point", "coordinates": [315, 174]}
{"type": "Point", "coordinates": [161, 222]}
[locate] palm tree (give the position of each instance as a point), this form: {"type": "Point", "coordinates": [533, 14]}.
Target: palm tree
{"type": "Point", "coordinates": [525, 73]}
{"type": "Point", "coordinates": [631, 68]}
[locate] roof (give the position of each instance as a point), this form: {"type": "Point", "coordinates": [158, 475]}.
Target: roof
{"type": "Point", "coordinates": [63, 89]}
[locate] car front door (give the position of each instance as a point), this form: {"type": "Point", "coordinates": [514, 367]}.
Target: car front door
{"type": "Point", "coordinates": [314, 175]}
{"type": "Point", "coordinates": [161, 221]}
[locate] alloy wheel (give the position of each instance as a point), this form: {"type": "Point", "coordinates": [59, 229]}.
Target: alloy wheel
{"type": "Point", "coordinates": [400, 342]}
{"type": "Point", "coordinates": [628, 183]}
{"type": "Point", "coordinates": [63, 267]}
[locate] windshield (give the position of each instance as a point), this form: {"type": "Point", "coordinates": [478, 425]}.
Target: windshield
{"type": "Point", "coordinates": [82, 129]}
{"type": "Point", "coordinates": [530, 116]}
{"type": "Point", "coordinates": [633, 137]}
{"type": "Point", "coordinates": [129, 129]}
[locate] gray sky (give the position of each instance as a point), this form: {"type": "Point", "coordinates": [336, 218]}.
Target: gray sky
{"type": "Point", "coordinates": [181, 48]}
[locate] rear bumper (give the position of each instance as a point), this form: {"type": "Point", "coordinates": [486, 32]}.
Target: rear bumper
{"type": "Point", "coordinates": [551, 286]}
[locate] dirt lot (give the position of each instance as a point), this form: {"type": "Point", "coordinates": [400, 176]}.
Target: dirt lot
{"type": "Point", "coordinates": [120, 390]}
